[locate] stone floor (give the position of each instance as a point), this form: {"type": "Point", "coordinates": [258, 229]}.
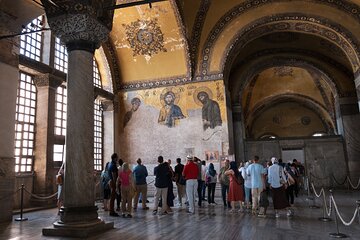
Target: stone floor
{"type": "Point", "coordinates": [209, 222]}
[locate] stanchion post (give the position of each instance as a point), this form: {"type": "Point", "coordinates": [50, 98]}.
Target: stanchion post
{"type": "Point", "coordinates": [358, 206]}
{"type": "Point", "coordinates": [21, 205]}
{"type": "Point", "coordinates": [308, 187]}
{"type": "Point", "coordinates": [311, 198]}
{"type": "Point", "coordinates": [324, 218]}
{"type": "Point", "coordinates": [337, 234]}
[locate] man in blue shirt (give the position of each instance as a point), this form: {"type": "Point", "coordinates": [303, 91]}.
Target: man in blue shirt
{"type": "Point", "coordinates": [140, 173]}
{"type": "Point", "coordinates": [256, 173]}
{"type": "Point", "coordinates": [113, 172]}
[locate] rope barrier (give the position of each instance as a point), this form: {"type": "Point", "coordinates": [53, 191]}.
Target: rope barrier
{"type": "Point", "coordinates": [40, 197]}
{"type": "Point", "coordinates": [339, 215]}
{"type": "Point", "coordinates": [343, 182]}
{"type": "Point", "coordinates": [351, 184]}
{"type": "Point", "coordinates": [347, 179]}
{"type": "Point", "coordinates": [333, 202]}
{"type": "Point", "coordinates": [327, 210]}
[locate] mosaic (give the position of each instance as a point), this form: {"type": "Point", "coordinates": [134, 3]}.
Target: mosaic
{"type": "Point", "coordinates": [145, 37]}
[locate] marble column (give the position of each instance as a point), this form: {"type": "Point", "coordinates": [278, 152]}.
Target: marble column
{"type": "Point", "coordinates": [82, 32]}
{"type": "Point", "coordinates": [351, 124]}
{"type": "Point", "coordinates": [238, 132]}
{"type": "Point", "coordinates": [357, 85]}
{"type": "Point", "coordinates": [9, 79]}
{"type": "Point", "coordinates": [44, 180]}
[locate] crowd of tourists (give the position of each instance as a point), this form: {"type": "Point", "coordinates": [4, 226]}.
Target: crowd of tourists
{"type": "Point", "coordinates": [244, 189]}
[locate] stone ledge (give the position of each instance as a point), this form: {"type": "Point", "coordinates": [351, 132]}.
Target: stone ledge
{"type": "Point", "coordinates": [82, 230]}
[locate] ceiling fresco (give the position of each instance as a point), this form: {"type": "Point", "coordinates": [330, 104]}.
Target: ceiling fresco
{"type": "Point", "coordinates": [149, 43]}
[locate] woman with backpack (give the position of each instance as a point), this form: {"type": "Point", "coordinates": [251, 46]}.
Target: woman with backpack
{"type": "Point", "coordinates": [211, 176]}
{"type": "Point", "coordinates": [236, 192]}
{"type": "Point", "coordinates": [105, 178]}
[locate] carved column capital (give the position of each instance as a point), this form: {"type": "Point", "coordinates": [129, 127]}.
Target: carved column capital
{"type": "Point", "coordinates": [108, 105]}
{"type": "Point", "coordinates": [47, 79]}
{"type": "Point", "coordinates": [80, 25]}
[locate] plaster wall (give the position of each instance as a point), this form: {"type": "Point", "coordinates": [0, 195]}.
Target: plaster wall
{"type": "Point", "coordinates": [8, 87]}
{"type": "Point", "coordinates": [325, 160]}
{"type": "Point", "coordinates": [351, 125]}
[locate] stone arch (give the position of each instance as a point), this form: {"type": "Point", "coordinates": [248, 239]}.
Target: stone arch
{"type": "Point", "coordinates": [348, 8]}
{"type": "Point", "coordinates": [293, 22]}
{"type": "Point", "coordinates": [251, 72]}
{"type": "Point", "coordinates": [305, 101]}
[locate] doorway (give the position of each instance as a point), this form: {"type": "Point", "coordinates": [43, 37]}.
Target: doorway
{"type": "Point", "coordinates": [288, 154]}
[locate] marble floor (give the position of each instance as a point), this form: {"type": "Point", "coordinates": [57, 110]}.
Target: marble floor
{"type": "Point", "coordinates": [209, 222]}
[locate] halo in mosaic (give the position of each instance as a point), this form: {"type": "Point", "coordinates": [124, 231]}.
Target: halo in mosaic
{"type": "Point", "coordinates": [145, 37]}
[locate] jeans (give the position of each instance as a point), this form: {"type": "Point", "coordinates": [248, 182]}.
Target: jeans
{"type": "Point", "coordinates": [199, 191]}
{"type": "Point", "coordinates": [224, 192]}
{"type": "Point", "coordinates": [211, 192]}
{"type": "Point", "coordinates": [290, 193]}
{"type": "Point", "coordinates": [191, 186]}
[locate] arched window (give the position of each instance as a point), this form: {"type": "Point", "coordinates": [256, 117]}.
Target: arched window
{"type": "Point", "coordinates": [31, 43]}
{"type": "Point", "coordinates": [25, 124]}
{"type": "Point", "coordinates": [61, 57]}
{"type": "Point", "coordinates": [31, 46]}
{"type": "Point", "coordinates": [98, 122]}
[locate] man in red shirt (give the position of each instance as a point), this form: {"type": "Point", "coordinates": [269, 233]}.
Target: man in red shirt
{"type": "Point", "coordinates": [190, 173]}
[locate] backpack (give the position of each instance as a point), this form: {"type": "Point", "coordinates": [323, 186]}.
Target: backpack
{"type": "Point", "coordinates": [105, 178]}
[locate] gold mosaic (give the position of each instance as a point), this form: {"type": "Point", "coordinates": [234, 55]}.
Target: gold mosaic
{"type": "Point", "coordinates": [145, 37]}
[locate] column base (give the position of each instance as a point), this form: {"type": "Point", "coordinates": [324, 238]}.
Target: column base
{"type": "Point", "coordinates": [79, 230]}
{"type": "Point", "coordinates": [78, 222]}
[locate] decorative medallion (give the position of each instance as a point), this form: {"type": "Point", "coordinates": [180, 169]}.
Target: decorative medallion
{"type": "Point", "coordinates": [145, 37]}
{"type": "Point", "coordinates": [305, 120]}
{"type": "Point", "coordinates": [283, 71]}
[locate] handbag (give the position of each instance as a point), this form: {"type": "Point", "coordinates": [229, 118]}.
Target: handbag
{"type": "Point", "coordinates": [290, 179]}
{"type": "Point", "coordinates": [282, 181]}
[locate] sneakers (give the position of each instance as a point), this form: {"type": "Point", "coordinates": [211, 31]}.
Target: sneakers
{"type": "Point", "coordinates": [290, 213]}
{"type": "Point", "coordinates": [154, 212]}
{"type": "Point", "coordinates": [262, 215]}
{"type": "Point", "coordinates": [277, 215]}
{"type": "Point", "coordinates": [145, 208]}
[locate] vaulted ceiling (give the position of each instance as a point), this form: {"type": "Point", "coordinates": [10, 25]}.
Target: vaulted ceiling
{"type": "Point", "coordinates": [304, 51]}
